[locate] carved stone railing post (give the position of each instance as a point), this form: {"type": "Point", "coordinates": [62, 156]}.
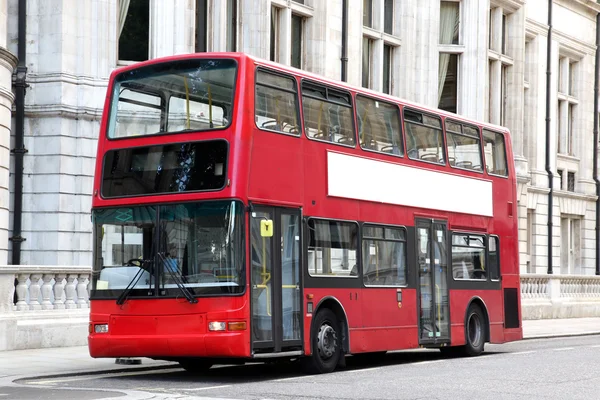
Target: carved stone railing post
{"type": "Point", "coordinates": [82, 293]}
{"type": "Point", "coordinates": [22, 292]}
{"type": "Point", "coordinates": [34, 292]}
{"type": "Point", "coordinates": [59, 291]}
{"type": "Point", "coordinates": [70, 292]}
{"type": "Point", "coordinates": [47, 291]}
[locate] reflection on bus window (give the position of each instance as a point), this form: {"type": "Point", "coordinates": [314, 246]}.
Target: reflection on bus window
{"type": "Point", "coordinates": [495, 153]}
{"type": "Point", "coordinates": [384, 256]}
{"type": "Point", "coordinates": [332, 248]}
{"type": "Point", "coordinates": [468, 257]}
{"type": "Point", "coordinates": [424, 137]}
{"type": "Point", "coordinates": [463, 146]}
{"type": "Point", "coordinates": [276, 103]}
{"type": "Point", "coordinates": [327, 114]}
{"type": "Point", "coordinates": [194, 94]}
{"type": "Point", "coordinates": [378, 126]}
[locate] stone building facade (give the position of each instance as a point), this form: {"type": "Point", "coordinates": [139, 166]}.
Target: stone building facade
{"type": "Point", "coordinates": [485, 59]}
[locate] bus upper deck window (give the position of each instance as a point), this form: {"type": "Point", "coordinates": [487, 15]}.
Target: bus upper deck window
{"type": "Point", "coordinates": [276, 103]}
{"type": "Point", "coordinates": [495, 153]}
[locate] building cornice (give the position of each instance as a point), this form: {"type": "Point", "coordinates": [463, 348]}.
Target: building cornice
{"type": "Point", "coordinates": [508, 5]}
{"type": "Point", "coordinates": [574, 47]}
{"type": "Point", "coordinates": [589, 7]}
{"type": "Point", "coordinates": [54, 77]}
{"type": "Point", "coordinates": [65, 111]}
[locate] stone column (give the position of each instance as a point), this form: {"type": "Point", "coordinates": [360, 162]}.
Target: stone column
{"type": "Point", "coordinates": [8, 63]}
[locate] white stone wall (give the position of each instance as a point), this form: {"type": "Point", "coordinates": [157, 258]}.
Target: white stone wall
{"type": "Point", "coordinates": [72, 48]}
{"type": "Point", "coordinates": [8, 63]}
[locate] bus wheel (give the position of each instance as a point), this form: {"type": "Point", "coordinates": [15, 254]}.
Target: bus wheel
{"type": "Point", "coordinates": [326, 343]}
{"type": "Point", "coordinates": [475, 331]}
{"type": "Point", "coordinates": [196, 365]}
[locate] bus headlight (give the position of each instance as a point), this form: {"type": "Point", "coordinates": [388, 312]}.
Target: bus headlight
{"type": "Point", "coordinates": [216, 326]}
{"type": "Point", "coordinates": [101, 328]}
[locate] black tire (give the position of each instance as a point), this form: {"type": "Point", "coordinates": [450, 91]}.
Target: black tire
{"type": "Point", "coordinates": [474, 331]}
{"type": "Point", "coordinates": [196, 365]}
{"type": "Point", "coordinates": [326, 340]}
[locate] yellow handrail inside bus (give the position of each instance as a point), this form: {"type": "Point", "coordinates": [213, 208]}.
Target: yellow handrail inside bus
{"type": "Point", "coordinates": [187, 101]}
{"type": "Point", "coordinates": [365, 118]}
{"type": "Point", "coordinates": [266, 276]}
{"type": "Point", "coordinates": [277, 121]}
{"type": "Point", "coordinates": [377, 260]}
{"type": "Point", "coordinates": [319, 120]}
{"type": "Point", "coordinates": [210, 106]}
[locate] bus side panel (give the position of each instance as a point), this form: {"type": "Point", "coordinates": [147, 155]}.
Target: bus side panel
{"type": "Point", "coordinates": [387, 323]}
{"type": "Point", "coordinates": [275, 168]}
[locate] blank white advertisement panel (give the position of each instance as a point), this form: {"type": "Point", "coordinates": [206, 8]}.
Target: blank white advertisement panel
{"type": "Point", "coordinates": [362, 179]}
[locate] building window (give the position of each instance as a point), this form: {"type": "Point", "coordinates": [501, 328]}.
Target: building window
{"type": "Point", "coordinates": [368, 13]}
{"type": "Point", "coordinates": [388, 17]}
{"type": "Point", "coordinates": [387, 68]}
{"type": "Point", "coordinates": [274, 48]}
{"type": "Point", "coordinates": [499, 63]}
{"type": "Point", "coordinates": [232, 26]}
{"type": "Point", "coordinates": [560, 173]}
{"type": "Point", "coordinates": [134, 28]}
{"type": "Point", "coordinates": [571, 181]}
{"type": "Point", "coordinates": [366, 62]}
{"type": "Point", "coordinates": [201, 26]}
{"type": "Point", "coordinates": [297, 29]}
{"type": "Point", "coordinates": [570, 249]}
{"type": "Point", "coordinates": [567, 105]}
{"type": "Point", "coordinates": [449, 55]}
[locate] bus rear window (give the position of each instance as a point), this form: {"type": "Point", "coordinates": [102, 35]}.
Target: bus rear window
{"type": "Point", "coordinates": [171, 168]}
{"type": "Point", "coordinates": [192, 95]}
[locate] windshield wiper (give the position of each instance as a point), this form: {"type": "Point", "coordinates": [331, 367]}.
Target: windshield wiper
{"type": "Point", "coordinates": [178, 281]}
{"type": "Point", "coordinates": [121, 299]}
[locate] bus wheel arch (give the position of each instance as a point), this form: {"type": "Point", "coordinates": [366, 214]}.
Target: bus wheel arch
{"type": "Point", "coordinates": [477, 327]}
{"type": "Point", "coordinates": [334, 305]}
{"type": "Point", "coordinates": [328, 338]}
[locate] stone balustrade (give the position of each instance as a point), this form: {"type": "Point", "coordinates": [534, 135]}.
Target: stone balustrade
{"type": "Point", "coordinates": [43, 306]}
{"type": "Point", "coordinates": [45, 287]}
{"type": "Point", "coordinates": [560, 296]}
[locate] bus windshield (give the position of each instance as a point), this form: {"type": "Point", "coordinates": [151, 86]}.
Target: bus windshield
{"type": "Point", "coordinates": [194, 94]}
{"type": "Point", "coordinates": [199, 246]}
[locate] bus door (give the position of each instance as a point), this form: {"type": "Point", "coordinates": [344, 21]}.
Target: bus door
{"type": "Point", "coordinates": [275, 280]}
{"type": "Point", "coordinates": [432, 262]}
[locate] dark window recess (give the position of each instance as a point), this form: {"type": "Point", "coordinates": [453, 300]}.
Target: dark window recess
{"type": "Point", "coordinates": [560, 177]}
{"type": "Point", "coordinates": [511, 308]}
{"type": "Point", "coordinates": [133, 41]}
{"type": "Point", "coordinates": [201, 25]}
{"type": "Point", "coordinates": [172, 168]}
{"type": "Point", "coordinates": [571, 181]}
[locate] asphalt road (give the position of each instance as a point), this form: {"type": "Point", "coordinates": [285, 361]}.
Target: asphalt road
{"type": "Point", "coordinates": [561, 368]}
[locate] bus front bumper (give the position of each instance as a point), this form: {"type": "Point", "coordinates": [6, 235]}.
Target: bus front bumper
{"type": "Point", "coordinates": [213, 344]}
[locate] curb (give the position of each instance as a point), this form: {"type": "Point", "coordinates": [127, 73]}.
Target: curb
{"type": "Point", "coordinates": [93, 372]}
{"type": "Point", "coordinates": [559, 335]}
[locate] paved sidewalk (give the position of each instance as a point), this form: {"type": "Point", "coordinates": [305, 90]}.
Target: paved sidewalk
{"type": "Point", "coordinates": [75, 360]}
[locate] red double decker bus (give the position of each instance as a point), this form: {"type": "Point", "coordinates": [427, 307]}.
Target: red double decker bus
{"type": "Point", "coordinates": [244, 210]}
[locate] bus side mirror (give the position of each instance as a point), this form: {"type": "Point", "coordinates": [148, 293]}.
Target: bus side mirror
{"type": "Point", "coordinates": [266, 228]}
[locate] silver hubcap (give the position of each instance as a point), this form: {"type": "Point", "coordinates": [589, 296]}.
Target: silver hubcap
{"type": "Point", "coordinates": [326, 341]}
{"type": "Point", "coordinates": [475, 330]}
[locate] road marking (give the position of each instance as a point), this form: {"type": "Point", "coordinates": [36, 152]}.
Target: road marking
{"type": "Point", "coordinates": [290, 378]}
{"type": "Point", "coordinates": [564, 348]}
{"type": "Point", "coordinates": [523, 352]}
{"type": "Point", "coordinates": [596, 346]}
{"type": "Point", "coordinates": [362, 370]}
{"type": "Point", "coordinates": [100, 376]}
{"type": "Point", "coordinates": [430, 362]}
{"type": "Point", "coordinates": [206, 388]}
